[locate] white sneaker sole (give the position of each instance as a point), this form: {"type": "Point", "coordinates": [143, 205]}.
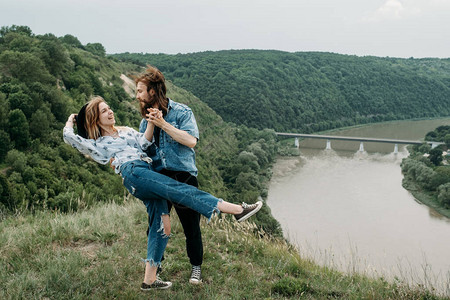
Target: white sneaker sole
{"type": "Point", "coordinates": [159, 288]}
{"type": "Point", "coordinates": [260, 204]}
{"type": "Point", "coordinates": [195, 281]}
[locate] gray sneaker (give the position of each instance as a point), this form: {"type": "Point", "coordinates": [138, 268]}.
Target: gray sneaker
{"type": "Point", "coordinates": [196, 275]}
{"type": "Point", "coordinates": [156, 285]}
{"type": "Point", "coordinates": [249, 210]}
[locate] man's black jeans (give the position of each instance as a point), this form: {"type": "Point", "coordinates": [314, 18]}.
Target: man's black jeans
{"type": "Point", "coordinates": [190, 219]}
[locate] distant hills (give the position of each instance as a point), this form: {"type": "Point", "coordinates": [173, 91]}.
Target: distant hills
{"type": "Point", "coordinates": [308, 91]}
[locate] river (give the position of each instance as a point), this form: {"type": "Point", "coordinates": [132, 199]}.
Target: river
{"type": "Point", "coordinates": [347, 209]}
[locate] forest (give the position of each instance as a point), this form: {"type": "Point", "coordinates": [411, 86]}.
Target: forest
{"type": "Point", "coordinates": [307, 92]}
{"type": "Point", "coordinates": [427, 170]}
{"type": "Point", "coordinates": [44, 78]}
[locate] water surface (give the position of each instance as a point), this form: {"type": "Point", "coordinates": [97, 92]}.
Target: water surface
{"type": "Point", "coordinates": [348, 209]}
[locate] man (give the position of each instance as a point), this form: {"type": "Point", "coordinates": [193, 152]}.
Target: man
{"type": "Point", "coordinates": [175, 136]}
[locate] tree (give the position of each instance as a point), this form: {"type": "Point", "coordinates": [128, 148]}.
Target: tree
{"type": "Point", "coordinates": [447, 140]}
{"type": "Point", "coordinates": [40, 123]}
{"type": "Point", "coordinates": [444, 194]}
{"type": "Point", "coordinates": [5, 198]}
{"type": "Point", "coordinates": [19, 129]}
{"type": "Point", "coordinates": [54, 55]}
{"type": "Point", "coordinates": [21, 101]}
{"type": "Point", "coordinates": [71, 41]}
{"type": "Point", "coordinates": [436, 156]}
{"type": "Point", "coordinates": [5, 145]}
{"type": "Point", "coordinates": [18, 42]}
{"type": "Point", "coordinates": [96, 48]}
{"type": "Point", "coordinates": [4, 110]}
{"type": "Point", "coordinates": [26, 67]}
{"type": "Point", "coordinates": [248, 160]}
{"type": "Point", "coordinates": [17, 160]}
{"type": "Point", "coordinates": [25, 30]}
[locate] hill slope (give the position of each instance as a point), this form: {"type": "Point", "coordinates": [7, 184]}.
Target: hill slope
{"type": "Point", "coordinates": [305, 92]}
{"type": "Point", "coordinates": [95, 254]}
{"type": "Point", "coordinates": [44, 78]}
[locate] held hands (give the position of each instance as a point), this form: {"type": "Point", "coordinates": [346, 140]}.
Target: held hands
{"type": "Point", "coordinates": [71, 120]}
{"type": "Point", "coordinates": [155, 117]}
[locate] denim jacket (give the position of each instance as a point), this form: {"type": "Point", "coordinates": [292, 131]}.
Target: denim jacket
{"type": "Point", "coordinates": [170, 154]}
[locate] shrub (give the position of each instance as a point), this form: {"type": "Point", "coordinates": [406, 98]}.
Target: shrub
{"type": "Point", "coordinates": [444, 194]}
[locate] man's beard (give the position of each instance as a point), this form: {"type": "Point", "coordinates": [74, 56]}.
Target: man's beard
{"type": "Point", "coordinates": [148, 104]}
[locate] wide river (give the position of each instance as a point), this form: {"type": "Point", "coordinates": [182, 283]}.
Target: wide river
{"type": "Point", "coordinates": [347, 209]}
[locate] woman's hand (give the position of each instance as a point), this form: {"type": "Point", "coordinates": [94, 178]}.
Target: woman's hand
{"type": "Point", "coordinates": [155, 117]}
{"type": "Point", "coordinates": [71, 120]}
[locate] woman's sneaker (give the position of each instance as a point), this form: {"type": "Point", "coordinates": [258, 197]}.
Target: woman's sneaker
{"type": "Point", "coordinates": [196, 275]}
{"type": "Point", "coordinates": [249, 210]}
{"type": "Point", "coordinates": [156, 285]}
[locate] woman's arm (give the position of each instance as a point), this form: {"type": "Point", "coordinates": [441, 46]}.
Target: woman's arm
{"type": "Point", "coordinates": [149, 131]}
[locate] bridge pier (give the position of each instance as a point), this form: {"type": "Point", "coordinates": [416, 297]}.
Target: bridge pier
{"type": "Point", "coordinates": [396, 149]}
{"type": "Point", "coordinates": [296, 143]}
{"type": "Point", "coordinates": [361, 147]}
{"type": "Point", "coordinates": [328, 145]}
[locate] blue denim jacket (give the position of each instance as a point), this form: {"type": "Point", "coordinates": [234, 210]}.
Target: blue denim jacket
{"type": "Point", "coordinates": [170, 154]}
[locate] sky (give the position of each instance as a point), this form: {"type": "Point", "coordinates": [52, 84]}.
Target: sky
{"type": "Point", "coordinates": [394, 28]}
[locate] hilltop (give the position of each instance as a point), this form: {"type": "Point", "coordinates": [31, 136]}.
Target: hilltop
{"type": "Point", "coordinates": [96, 253]}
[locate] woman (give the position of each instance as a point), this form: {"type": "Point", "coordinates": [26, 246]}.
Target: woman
{"type": "Point", "coordinates": [124, 146]}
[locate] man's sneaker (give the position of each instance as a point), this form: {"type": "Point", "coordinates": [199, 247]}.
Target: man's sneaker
{"type": "Point", "coordinates": [249, 210]}
{"type": "Point", "coordinates": [196, 275]}
{"type": "Point", "coordinates": [156, 285]}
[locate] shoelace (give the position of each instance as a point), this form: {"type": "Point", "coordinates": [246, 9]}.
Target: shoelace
{"type": "Point", "coordinates": [247, 206]}
{"type": "Point", "coordinates": [196, 272]}
{"type": "Point", "coordinates": [158, 283]}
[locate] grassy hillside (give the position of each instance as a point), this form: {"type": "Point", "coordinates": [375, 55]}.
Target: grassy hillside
{"type": "Point", "coordinates": [95, 254]}
{"type": "Point", "coordinates": [306, 91]}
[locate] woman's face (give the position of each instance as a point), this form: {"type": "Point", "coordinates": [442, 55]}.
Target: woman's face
{"type": "Point", "coordinates": [106, 117]}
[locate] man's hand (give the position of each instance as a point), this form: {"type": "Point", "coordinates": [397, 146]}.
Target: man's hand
{"type": "Point", "coordinates": [155, 117]}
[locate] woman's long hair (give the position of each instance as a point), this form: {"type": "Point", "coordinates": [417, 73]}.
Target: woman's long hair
{"type": "Point", "coordinates": [92, 117]}
{"type": "Point", "coordinates": [154, 80]}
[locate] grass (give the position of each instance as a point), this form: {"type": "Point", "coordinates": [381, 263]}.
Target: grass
{"type": "Point", "coordinates": [95, 254]}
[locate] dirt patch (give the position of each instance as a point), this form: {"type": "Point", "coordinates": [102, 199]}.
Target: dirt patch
{"type": "Point", "coordinates": [128, 85]}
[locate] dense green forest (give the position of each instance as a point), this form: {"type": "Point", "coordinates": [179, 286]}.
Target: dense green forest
{"type": "Point", "coordinates": [427, 171]}
{"type": "Point", "coordinates": [44, 78]}
{"type": "Point", "coordinates": [308, 91]}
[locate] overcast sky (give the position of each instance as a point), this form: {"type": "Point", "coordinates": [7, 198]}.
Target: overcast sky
{"type": "Point", "coordinates": [395, 28]}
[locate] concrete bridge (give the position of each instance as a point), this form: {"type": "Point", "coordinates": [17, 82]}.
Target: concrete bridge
{"type": "Point", "coordinates": [358, 139]}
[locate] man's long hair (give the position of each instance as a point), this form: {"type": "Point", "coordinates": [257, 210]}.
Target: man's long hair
{"type": "Point", "coordinates": [153, 79]}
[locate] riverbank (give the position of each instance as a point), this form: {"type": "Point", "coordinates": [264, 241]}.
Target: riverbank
{"type": "Point", "coordinates": [424, 198]}
{"type": "Point", "coordinates": [96, 253]}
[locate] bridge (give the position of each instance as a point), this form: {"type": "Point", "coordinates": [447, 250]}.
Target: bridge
{"type": "Point", "coordinates": [358, 139]}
